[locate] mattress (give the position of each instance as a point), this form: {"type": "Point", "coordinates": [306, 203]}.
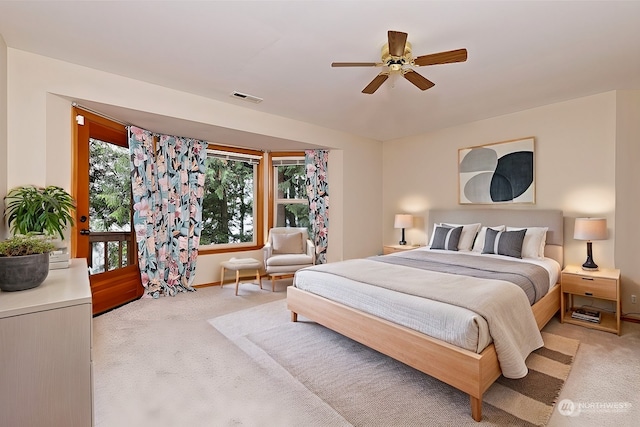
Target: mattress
{"type": "Point", "coordinates": [455, 325]}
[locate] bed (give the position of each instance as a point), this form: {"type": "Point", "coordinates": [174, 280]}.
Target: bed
{"type": "Point", "coordinates": [467, 369]}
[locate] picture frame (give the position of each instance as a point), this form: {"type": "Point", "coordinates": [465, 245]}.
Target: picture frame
{"type": "Point", "coordinates": [497, 173]}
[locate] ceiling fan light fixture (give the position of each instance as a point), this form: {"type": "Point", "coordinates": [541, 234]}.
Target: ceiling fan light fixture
{"type": "Point", "coordinates": [396, 61]}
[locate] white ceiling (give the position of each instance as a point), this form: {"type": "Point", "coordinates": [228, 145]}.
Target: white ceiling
{"type": "Point", "coordinates": [521, 55]}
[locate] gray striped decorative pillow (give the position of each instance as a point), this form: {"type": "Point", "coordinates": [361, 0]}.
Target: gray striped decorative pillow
{"type": "Point", "coordinates": [446, 238]}
{"type": "Point", "coordinates": [508, 243]}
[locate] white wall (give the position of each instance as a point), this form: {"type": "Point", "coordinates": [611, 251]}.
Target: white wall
{"type": "Point", "coordinates": [574, 162]}
{"type": "Point", "coordinates": [628, 197]}
{"type": "Point", "coordinates": [40, 91]}
{"type": "Point", "coordinates": [359, 190]}
{"type": "Point", "coordinates": [3, 131]}
{"type": "Point", "coordinates": [586, 157]}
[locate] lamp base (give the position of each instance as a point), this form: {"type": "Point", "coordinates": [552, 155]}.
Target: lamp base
{"type": "Point", "coordinates": [589, 265]}
{"type": "Point", "coordinates": [402, 242]}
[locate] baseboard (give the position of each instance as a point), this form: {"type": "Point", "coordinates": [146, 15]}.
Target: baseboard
{"type": "Point", "coordinates": [207, 285]}
{"type": "Point", "coordinates": [630, 319]}
{"type": "Point", "coordinates": [232, 280]}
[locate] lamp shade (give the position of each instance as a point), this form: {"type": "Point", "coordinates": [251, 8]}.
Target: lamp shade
{"type": "Point", "coordinates": [403, 221]}
{"type": "Point", "coordinates": [590, 229]}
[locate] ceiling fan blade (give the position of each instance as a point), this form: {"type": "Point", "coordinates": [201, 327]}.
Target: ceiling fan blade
{"type": "Point", "coordinates": [458, 55]}
{"type": "Point", "coordinates": [356, 64]}
{"type": "Point", "coordinates": [421, 82]}
{"type": "Point", "coordinates": [375, 83]}
{"type": "Point", "coordinates": [397, 42]}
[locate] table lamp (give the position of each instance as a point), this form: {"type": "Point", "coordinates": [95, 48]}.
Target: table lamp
{"type": "Point", "coordinates": [403, 221]}
{"type": "Point", "coordinates": [590, 229]}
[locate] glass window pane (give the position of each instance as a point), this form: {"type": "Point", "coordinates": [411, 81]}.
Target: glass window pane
{"type": "Point", "coordinates": [109, 187]}
{"type": "Point", "coordinates": [291, 182]}
{"type": "Point", "coordinates": [97, 258]}
{"type": "Point", "coordinates": [291, 204]}
{"type": "Point", "coordinates": [228, 204]}
{"type": "Point", "coordinates": [109, 204]}
{"type": "Point", "coordinates": [292, 215]}
{"type": "Point", "coordinates": [117, 256]}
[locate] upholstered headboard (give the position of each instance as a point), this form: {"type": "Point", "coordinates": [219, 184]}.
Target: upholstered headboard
{"type": "Point", "coordinates": [551, 218]}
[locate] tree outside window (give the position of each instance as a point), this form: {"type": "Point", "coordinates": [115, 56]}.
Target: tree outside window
{"type": "Point", "coordinates": [291, 205]}
{"type": "Point", "coordinates": [109, 201]}
{"type": "Point", "coordinates": [229, 204]}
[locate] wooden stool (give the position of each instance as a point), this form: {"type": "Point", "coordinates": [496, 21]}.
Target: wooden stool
{"type": "Point", "coordinates": [238, 265]}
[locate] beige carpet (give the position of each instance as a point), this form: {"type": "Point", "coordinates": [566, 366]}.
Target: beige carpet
{"type": "Point", "coordinates": [160, 363]}
{"type": "Point", "coordinates": [370, 389]}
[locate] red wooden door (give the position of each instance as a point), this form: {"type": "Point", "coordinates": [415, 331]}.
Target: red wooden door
{"type": "Point", "coordinates": [107, 244]}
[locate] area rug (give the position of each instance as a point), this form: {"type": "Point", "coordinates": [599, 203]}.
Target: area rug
{"type": "Point", "coordinates": [367, 388]}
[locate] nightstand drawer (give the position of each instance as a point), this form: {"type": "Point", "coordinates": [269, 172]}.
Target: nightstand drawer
{"type": "Point", "coordinates": [597, 287]}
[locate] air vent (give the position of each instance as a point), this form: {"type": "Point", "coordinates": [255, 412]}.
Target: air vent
{"type": "Point", "coordinates": [245, 97]}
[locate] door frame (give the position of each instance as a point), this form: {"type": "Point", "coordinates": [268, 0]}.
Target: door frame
{"type": "Point", "coordinates": [116, 287]}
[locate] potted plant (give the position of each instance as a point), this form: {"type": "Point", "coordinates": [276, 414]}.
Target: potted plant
{"type": "Point", "coordinates": [24, 262]}
{"type": "Point", "coordinates": [45, 210]}
{"type": "Point", "coordinates": [35, 215]}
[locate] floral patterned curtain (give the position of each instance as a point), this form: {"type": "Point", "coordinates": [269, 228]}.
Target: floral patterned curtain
{"type": "Point", "coordinates": [318, 195]}
{"type": "Point", "coordinates": [167, 179]}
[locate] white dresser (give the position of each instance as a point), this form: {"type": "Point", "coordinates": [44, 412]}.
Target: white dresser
{"type": "Point", "coordinates": [45, 352]}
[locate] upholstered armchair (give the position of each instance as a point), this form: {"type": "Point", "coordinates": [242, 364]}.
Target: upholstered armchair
{"type": "Point", "coordinates": [288, 249]}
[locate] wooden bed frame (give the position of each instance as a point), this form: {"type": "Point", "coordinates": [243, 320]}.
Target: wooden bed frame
{"type": "Point", "coordinates": [469, 372]}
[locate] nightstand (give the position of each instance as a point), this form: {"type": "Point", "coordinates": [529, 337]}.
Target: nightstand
{"type": "Point", "coordinates": [389, 249]}
{"type": "Point", "coordinates": [603, 284]}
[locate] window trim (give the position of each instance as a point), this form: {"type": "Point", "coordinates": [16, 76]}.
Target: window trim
{"type": "Point", "coordinates": [258, 206]}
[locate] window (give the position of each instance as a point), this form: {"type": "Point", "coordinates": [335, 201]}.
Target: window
{"type": "Point", "coordinates": [290, 204]}
{"type": "Point", "coordinates": [109, 206]}
{"type": "Point", "coordinates": [232, 203]}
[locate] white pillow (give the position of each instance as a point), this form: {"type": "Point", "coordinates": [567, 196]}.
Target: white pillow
{"type": "Point", "coordinates": [433, 232]}
{"type": "Point", "coordinates": [469, 232]}
{"type": "Point", "coordinates": [534, 241]}
{"type": "Point", "coordinates": [479, 243]}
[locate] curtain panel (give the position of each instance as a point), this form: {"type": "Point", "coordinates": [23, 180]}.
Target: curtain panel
{"type": "Point", "coordinates": [318, 194]}
{"type": "Point", "coordinates": [168, 174]}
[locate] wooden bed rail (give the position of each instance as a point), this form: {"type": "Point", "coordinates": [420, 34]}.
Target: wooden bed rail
{"type": "Point", "coordinates": [469, 372]}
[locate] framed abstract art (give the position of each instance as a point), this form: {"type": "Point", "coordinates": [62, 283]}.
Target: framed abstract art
{"type": "Point", "coordinates": [502, 172]}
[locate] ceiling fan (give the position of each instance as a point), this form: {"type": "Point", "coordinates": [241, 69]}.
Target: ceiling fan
{"type": "Point", "coordinates": [397, 57]}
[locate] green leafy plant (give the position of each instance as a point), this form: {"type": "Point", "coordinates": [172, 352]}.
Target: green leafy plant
{"type": "Point", "coordinates": [31, 209]}
{"type": "Point", "coordinates": [20, 245]}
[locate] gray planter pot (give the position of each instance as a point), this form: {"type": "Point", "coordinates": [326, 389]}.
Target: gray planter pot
{"type": "Point", "coordinates": [18, 273]}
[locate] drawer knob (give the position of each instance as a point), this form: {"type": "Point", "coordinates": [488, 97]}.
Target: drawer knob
{"type": "Point", "coordinates": [589, 294]}
{"type": "Point", "coordinates": [587, 278]}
